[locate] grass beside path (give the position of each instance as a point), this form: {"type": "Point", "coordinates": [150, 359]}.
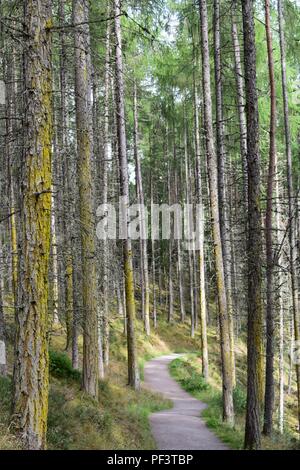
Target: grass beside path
{"type": "Point", "coordinates": [120, 418]}
{"type": "Point", "coordinates": [186, 371]}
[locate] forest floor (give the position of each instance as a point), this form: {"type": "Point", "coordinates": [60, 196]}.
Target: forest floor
{"type": "Point", "coordinates": [120, 419]}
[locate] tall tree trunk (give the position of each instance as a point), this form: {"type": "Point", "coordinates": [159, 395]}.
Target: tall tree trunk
{"type": "Point", "coordinates": [3, 359]}
{"type": "Point", "coordinates": [143, 234]}
{"type": "Point", "coordinates": [180, 282]}
{"type": "Point", "coordinates": [154, 300]}
{"type": "Point", "coordinates": [281, 282]}
{"type": "Point", "coordinates": [133, 372]}
{"type": "Point", "coordinates": [30, 401]}
{"type": "Point", "coordinates": [200, 230]}
{"type": "Point", "coordinates": [54, 261]}
{"type": "Point", "coordinates": [67, 199]}
{"type": "Point", "coordinates": [288, 150]}
{"type": "Point", "coordinates": [189, 217]}
{"type": "Point", "coordinates": [99, 174]}
{"type": "Point", "coordinates": [179, 261]}
{"type": "Point", "coordinates": [269, 387]}
{"type": "Point", "coordinates": [106, 328]}
{"type": "Point", "coordinates": [221, 157]}
{"type": "Point", "coordinates": [254, 371]}
{"type": "Point", "coordinates": [87, 222]}
{"type": "Point", "coordinates": [170, 270]}
{"type": "Point", "coordinates": [228, 412]}
{"type": "Point", "coordinates": [10, 97]}
{"type": "Point", "coordinates": [240, 92]}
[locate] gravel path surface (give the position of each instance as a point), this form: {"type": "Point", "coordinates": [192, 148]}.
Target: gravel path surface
{"type": "Point", "coordinates": [181, 427]}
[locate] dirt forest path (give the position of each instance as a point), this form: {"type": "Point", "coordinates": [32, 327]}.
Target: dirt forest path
{"type": "Point", "coordinates": [181, 427]}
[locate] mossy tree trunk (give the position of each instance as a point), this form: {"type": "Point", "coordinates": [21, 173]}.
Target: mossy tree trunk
{"type": "Point", "coordinates": [133, 371]}
{"type": "Point", "coordinates": [30, 403]}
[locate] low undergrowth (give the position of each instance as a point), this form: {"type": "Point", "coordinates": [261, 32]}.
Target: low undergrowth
{"type": "Point", "coordinates": [187, 371]}
{"type": "Point", "coordinates": [120, 418]}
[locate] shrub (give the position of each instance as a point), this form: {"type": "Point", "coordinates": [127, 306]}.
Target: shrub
{"type": "Point", "coordinates": [5, 393]}
{"type": "Point", "coordinates": [194, 382]}
{"type": "Point", "coordinates": [188, 376]}
{"type": "Point", "coordinates": [239, 400]}
{"type": "Point", "coordinates": [61, 366]}
{"type": "Point", "coordinates": [88, 413]}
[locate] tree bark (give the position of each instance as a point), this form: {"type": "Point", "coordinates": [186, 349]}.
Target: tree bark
{"type": "Point", "coordinates": [240, 93]}
{"type": "Point", "coordinates": [133, 372]}
{"type": "Point", "coordinates": [106, 327]}
{"type": "Point", "coordinates": [189, 216]}
{"type": "Point", "coordinates": [221, 158]}
{"type": "Point", "coordinates": [3, 358]}
{"type": "Point", "coordinates": [143, 235]}
{"type": "Point", "coordinates": [200, 230]}
{"type": "Point", "coordinates": [170, 270]}
{"type": "Point", "coordinates": [228, 412]}
{"type": "Point", "coordinates": [288, 151]}
{"type": "Point", "coordinates": [269, 386]}
{"type": "Point", "coordinates": [281, 282]}
{"type": "Point", "coordinates": [153, 264]}
{"type": "Point", "coordinates": [30, 401]}
{"type": "Point", "coordinates": [87, 223]}
{"type": "Point", "coordinates": [254, 343]}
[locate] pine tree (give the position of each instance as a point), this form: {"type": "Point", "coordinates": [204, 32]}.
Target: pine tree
{"type": "Point", "coordinates": [254, 342]}
{"type": "Point", "coordinates": [30, 402]}
{"type": "Point", "coordinates": [87, 224]}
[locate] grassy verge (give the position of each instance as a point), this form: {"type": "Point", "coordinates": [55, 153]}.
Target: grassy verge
{"type": "Point", "coordinates": [187, 371]}
{"type": "Point", "coordinates": [7, 439]}
{"type": "Point", "coordinates": [120, 418]}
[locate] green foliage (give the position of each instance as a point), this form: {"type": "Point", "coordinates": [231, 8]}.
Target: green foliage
{"type": "Point", "coordinates": [191, 380]}
{"type": "Point", "coordinates": [67, 418]}
{"type": "Point", "coordinates": [239, 400]}
{"type": "Point", "coordinates": [5, 393]}
{"type": "Point", "coordinates": [59, 435]}
{"type": "Point", "coordinates": [7, 440]}
{"type": "Point", "coordinates": [119, 421]}
{"type": "Point", "coordinates": [194, 382]}
{"type": "Point", "coordinates": [89, 413]}
{"type": "Point", "coordinates": [61, 366]}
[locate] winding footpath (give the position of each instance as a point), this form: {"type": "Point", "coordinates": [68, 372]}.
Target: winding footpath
{"type": "Point", "coordinates": [181, 427]}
